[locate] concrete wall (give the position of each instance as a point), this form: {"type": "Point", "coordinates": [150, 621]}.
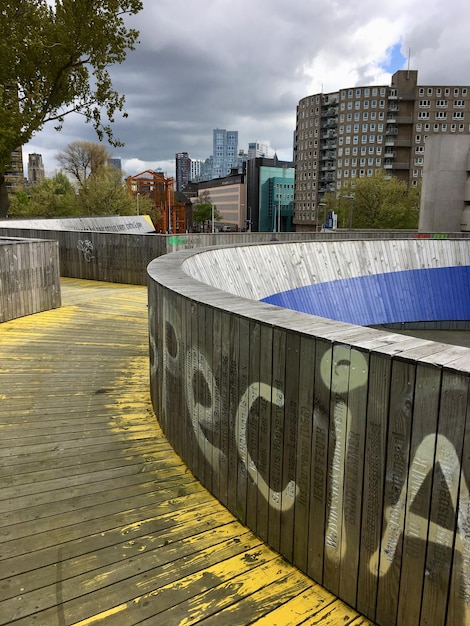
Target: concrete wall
{"type": "Point", "coordinates": [29, 277]}
{"type": "Point", "coordinates": [445, 172]}
{"type": "Point", "coordinates": [346, 448]}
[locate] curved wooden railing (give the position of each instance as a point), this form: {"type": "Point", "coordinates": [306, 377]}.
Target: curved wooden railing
{"type": "Point", "coordinates": [347, 449]}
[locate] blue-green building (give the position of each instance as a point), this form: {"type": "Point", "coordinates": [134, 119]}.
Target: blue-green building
{"type": "Point", "coordinates": [270, 195]}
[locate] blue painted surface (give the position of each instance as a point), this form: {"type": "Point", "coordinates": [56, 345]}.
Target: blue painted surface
{"type": "Point", "coordinates": [408, 296]}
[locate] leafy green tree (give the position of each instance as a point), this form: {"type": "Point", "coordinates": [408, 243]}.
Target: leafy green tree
{"type": "Point", "coordinates": [202, 211]}
{"type": "Point", "coordinates": [54, 61]}
{"type": "Point", "coordinates": [53, 197]}
{"type": "Point", "coordinates": [379, 201]}
{"type": "Point", "coordinates": [105, 193]}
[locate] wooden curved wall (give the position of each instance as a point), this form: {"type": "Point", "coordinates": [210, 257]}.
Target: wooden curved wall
{"type": "Point", "coordinates": [346, 448]}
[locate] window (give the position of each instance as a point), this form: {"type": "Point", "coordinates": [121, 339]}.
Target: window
{"type": "Point", "coordinates": [357, 104]}
{"type": "Point", "coordinates": [429, 91]}
{"type": "Point", "coordinates": [424, 103]}
{"type": "Point", "coordinates": [457, 115]}
{"type": "Point", "coordinates": [456, 91]}
{"type": "Point", "coordinates": [421, 91]}
{"type": "Point", "coordinates": [418, 139]}
{"type": "Point", "coordinates": [358, 93]}
{"type": "Point", "coordinates": [423, 115]}
{"type": "Point", "coordinates": [447, 91]}
{"type": "Point", "coordinates": [371, 149]}
{"type": "Point", "coordinates": [464, 91]}
{"type": "Point", "coordinates": [371, 138]}
{"type": "Point", "coordinates": [366, 104]}
{"type": "Point", "coordinates": [364, 128]}
{"type": "Point", "coordinates": [378, 162]}
{"type": "Point", "coordinates": [365, 115]}
{"type": "Point", "coordinates": [441, 115]}
{"type": "Point", "coordinates": [374, 91]}
{"type": "Point", "coordinates": [356, 128]}
{"type": "Point", "coordinates": [374, 104]}
{"type": "Point", "coordinates": [418, 127]}
{"type": "Point", "coordinates": [444, 128]}
{"type": "Point", "coordinates": [379, 150]}
{"type": "Point", "coordinates": [442, 103]}
{"type": "Point", "coordinates": [419, 149]}
{"type": "Point", "coordinates": [458, 104]}
{"type": "Point", "coordinates": [382, 104]}
{"type": "Point", "coordinates": [373, 115]}
{"type": "Point", "coordinates": [461, 128]}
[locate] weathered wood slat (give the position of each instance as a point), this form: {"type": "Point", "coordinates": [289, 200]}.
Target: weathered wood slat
{"type": "Point", "coordinates": [100, 521]}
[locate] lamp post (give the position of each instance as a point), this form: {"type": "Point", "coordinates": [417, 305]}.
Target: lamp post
{"type": "Point", "coordinates": [351, 203]}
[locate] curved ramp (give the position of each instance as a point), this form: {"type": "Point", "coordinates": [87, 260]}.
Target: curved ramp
{"type": "Point", "coordinates": [101, 522]}
{"type": "Point", "coordinates": [359, 282]}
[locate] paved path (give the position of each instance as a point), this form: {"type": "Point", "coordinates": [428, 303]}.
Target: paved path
{"type": "Point", "coordinates": [100, 521]}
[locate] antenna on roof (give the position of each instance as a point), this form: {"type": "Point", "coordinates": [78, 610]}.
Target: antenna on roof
{"type": "Point", "coordinates": [409, 59]}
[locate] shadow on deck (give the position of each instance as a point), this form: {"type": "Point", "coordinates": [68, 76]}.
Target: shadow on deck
{"type": "Point", "coordinates": [100, 521]}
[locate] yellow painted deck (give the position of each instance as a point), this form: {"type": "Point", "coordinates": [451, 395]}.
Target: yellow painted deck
{"type": "Point", "coordinates": [100, 521]}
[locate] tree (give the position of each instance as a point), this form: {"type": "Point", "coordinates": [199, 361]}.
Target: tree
{"type": "Point", "coordinates": [105, 193]}
{"type": "Point", "coordinates": [204, 209]}
{"type": "Point", "coordinates": [55, 61]}
{"type": "Point", "coordinates": [82, 159]}
{"type": "Point", "coordinates": [379, 201]}
{"type": "Point", "coordinates": [53, 197]}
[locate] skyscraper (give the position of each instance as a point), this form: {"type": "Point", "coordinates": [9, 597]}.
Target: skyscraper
{"type": "Point", "coordinates": [183, 170]}
{"type": "Point", "coordinates": [225, 152]}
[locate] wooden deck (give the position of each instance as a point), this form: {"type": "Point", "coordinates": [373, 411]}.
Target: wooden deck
{"type": "Point", "coordinates": [100, 521]}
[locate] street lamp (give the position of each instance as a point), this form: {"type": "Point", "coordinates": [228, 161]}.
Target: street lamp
{"type": "Point", "coordinates": [351, 203]}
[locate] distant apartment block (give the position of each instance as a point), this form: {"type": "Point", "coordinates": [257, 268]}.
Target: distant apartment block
{"type": "Point", "coordinates": [225, 152]}
{"type": "Point", "coordinates": [357, 131]}
{"type": "Point", "coordinates": [183, 170]}
{"type": "Point", "coordinates": [14, 176]}
{"type": "Point", "coordinates": [35, 169]}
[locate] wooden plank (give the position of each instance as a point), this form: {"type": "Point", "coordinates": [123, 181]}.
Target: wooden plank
{"type": "Point", "coordinates": [306, 384]}
{"type": "Point", "coordinates": [216, 368]}
{"type": "Point", "coordinates": [321, 425]}
{"type": "Point", "coordinates": [234, 395]}
{"type": "Point", "coordinates": [445, 489]}
{"type": "Point", "coordinates": [225, 407]}
{"type": "Point", "coordinates": [338, 369]}
{"type": "Point", "coordinates": [277, 437]}
{"type": "Point", "coordinates": [252, 435]}
{"type": "Point", "coordinates": [398, 452]}
{"type": "Point", "coordinates": [264, 445]}
{"type": "Point", "coordinates": [374, 478]}
{"type": "Point", "coordinates": [458, 611]}
{"type": "Point", "coordinates": [242, 418]}
{"type": "Point", "coordinates": [418, 495]}
{"type": "Point", "coordinates": [354, 474]}
{"type": "Point", "coordinates": [289, 461]}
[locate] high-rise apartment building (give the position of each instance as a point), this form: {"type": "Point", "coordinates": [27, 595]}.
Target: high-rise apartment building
{"type": "Point", "coordinates": [183, 170]}
{"type": "Point", "coordinates": [14, 176]}
{"type": "Point", "coordinates": [358, 131]}
{"type": "Point", "coordinates": [35, 169]}
{"type": "Point", "coordinates": [225, 152]}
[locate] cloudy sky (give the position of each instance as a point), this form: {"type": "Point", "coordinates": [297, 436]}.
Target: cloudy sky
{"type": "Point", "coordinates": [245, 65]}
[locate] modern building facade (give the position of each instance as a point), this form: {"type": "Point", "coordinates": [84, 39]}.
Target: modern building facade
{"type": "Point", "coordinates": [358, 131]}
{"type": "Point", "coordinates": [270, 195]}
{"type": "Point", "coordinates": [183, 170]}
{"type": "Point", "coordinates": [225, 152]}
{"type": "Point", "coordinates": [228, 194]}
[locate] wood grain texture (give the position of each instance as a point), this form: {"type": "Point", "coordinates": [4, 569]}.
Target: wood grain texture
{"type": "Point", "coordinates": [100, 521]}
